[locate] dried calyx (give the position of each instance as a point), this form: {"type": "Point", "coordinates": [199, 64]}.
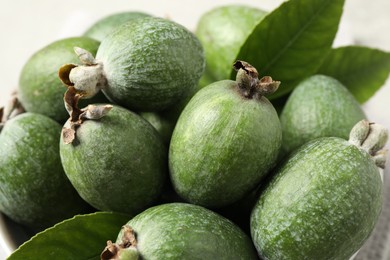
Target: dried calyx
{"type": "Point", "coordinates": [249, 84]}
{"type": "Point", "coordinates": [126, 249]}
{"type": "Point", "coordinates": [87, 79]}
{"type": "Point", "coordinates": [78, 116]}
{"type": "Point", "coordinates": [82, 81]}
{"type": "Point", "coordinates": [372, 138]}
{"type": "Point", "coordinates": [10, 110]}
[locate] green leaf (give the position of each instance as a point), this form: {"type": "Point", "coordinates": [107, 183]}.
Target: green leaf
{"type": "Point", "coordinates": [362, 70]}
{"type": "Point", "coordinates": [292, 41]}
{"type": "Point", "coordinates": [81, 237]}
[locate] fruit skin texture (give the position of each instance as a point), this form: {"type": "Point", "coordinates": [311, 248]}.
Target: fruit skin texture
{"type": "Point", "coordinates": [223, 145]}
{"type": "Point", "coordinates": [150, 64]}
{"type": "Point", "coordinates": [164, 121]}
{"type": "Point", "coordinates": [185, 231]}
{"type": "Point", "coordinates": [162, 124]}
{"type": "Point", "coordinates": [322, 203]}
{"type": "Point", "coordinates": [40, 90]}
{"type": "Point", "coordinates": [34, 189]}
{"type": "Point", "coordinates": [106, 25]}
{"type": "Point", "coordinates": [320, 106]}
{"type": "Point", "coordinates": [117, 163]}
{"type": "Point", "coordinates": [222, 31]}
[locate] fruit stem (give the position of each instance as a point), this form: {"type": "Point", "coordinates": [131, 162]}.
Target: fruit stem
{"type": "Point", "coordinates": [10, 110]}
{"type": "Point", "coordinates": [127, 249]}
{"type": "Point", "coordinates": [249, 83]}
{"type": "Point", "coordinates": [372, 138]}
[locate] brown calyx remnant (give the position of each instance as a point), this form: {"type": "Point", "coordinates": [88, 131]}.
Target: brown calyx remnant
{"type": "Point", "coordinates": [88, 78]}
{"type": "Point", "coordinates": [248, 81]}
{"type": "Point", "coordinates": [83, 81]}
{"type": "Point", "coordinates": [11, 109]}
{"type": "Point", "coordinates": [78, 116]}
{"type": "Point", "coordinates": [113, 250]}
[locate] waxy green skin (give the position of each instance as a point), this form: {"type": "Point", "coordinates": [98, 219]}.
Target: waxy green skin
{"type": "Point", "coordinates": [322, 203]}
{"type": "Point", "coordinates": [222, 31]}
{"type": "Point", "coordinates": [106, 25]}
{"type": "Point", "coordinates": [223, 145]}
{"type": "Point", "coordinates": [150, 64]}
{"type": "Point", "coordinates": [185, 231]}
{"type": "Point", "coordinates": [320, 106]}
{"type": "Point", "coordinates": [34, 189]}
{"type": "Point", "coordinates": [117, 163]}
{"type": "Point", "coordinates": [40, 89]}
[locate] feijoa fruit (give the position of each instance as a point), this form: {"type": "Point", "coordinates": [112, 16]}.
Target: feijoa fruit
{"type": "Point", "coordinates": [324, 201]}
{"type": "Point", "coordinates": [147, 64]}
{"type": "Point", "coordinates": [116, 161]}
{"type": "Point", "coordinates": [34, 190]}
{"type": "Point", "coordinates": [222, 31]}
{"type": "Point", "coordinates": [180, 231]}
{"type": "Point", "coordinates": [226, 140]}
{"type": "Point", "coordinates": [319, 106]}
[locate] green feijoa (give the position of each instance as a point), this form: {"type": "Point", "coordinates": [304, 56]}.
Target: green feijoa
{"type": "Point", "coordinates": [34, 190]}
{"type": "Point", "coordinates": [165, 121]}
{"type": "Point", "coordinates": [226, 140]}
{"type": "Point", "coordinates": [319, 106]}
{"type": "Point", "coordinates": [147, 64]}
{"type": "Point", "coordinates": [40, 90]}
{"type": "Point", "coordinates": [222, 31]}
{"type": "Point", "coordinates": [116, 163]}
{"type": "Point", "coordinates": [180, 231]}
{"type": "Point", "coordinates": [107, 24]}
{"type": "Point", "coordinates": [162, 124]}
{"type": "Point", "coordinates": [324, 201]}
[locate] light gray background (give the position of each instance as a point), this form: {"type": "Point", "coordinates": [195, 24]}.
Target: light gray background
{"type": "Point", "coordinates": [27, 26]}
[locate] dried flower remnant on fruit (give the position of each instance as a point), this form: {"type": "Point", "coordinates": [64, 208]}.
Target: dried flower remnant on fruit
{"type": "Point", "coordinates": [372, 138]}
{"type": "Point", "coordinates": [10, 110]}
{"type": "Point", "coordinates": [88, 79]}
{"type": "Point", "coordinates": [83, 81]}
{"type": "Point", "coordinates": [128, 246]}
{"type": "Point", "coordinates": [78, 116]}
{"type": "Point", "coordinates": [249, 83]}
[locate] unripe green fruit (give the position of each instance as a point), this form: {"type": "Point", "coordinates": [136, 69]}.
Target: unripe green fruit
{"type": "Point", "coordinates": [181, 231]}
{"type": "Point", "coordinates": [40, 90]}
{"type": "Point", "coordinates": [222, 31]}
{"type": "Point", "coordinates": [161, 123]}
{"type": "Point", "coordinates": [165, 121]}
{"type": "Point", "coordinates": [325, 199]}
{"type": "Point", "coordinates": [34, 190]}
{"type": "Point", "coordinates": [224, 143]}
{"type": "Point", "coordinates": [116, 163]}
{"type": "Point", "coordinates": [319, 106]}
{"type": "Point", "coordinates": [148, 64]}
{"type": "Point", "coordinates": [100, 29]}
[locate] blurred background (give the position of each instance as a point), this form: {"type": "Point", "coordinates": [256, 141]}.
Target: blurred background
{"type": "Point", "coordinates": [27, 26]}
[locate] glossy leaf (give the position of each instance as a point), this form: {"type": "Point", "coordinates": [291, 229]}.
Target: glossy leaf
{"type": "Point", "coordinates": [362, 70]}
{"type": "Point", "coordinates": [81, 237]}
{"type": "Point", "coordinates": [292, 41]}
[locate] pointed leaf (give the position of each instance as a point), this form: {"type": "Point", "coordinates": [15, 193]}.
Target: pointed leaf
{"type": "Point", "coordinates": [292, 41]}
{"type": "Point", "coordinates": [362, 70]}
{"type": "Point", "coordinates": [81, 237]}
